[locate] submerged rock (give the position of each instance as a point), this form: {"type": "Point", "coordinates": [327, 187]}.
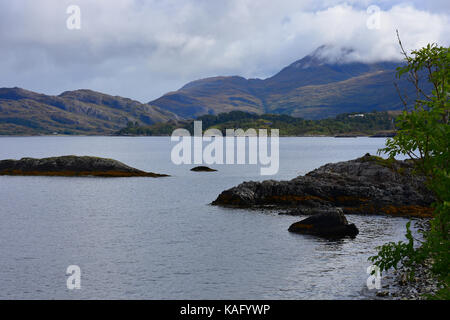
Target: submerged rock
{"type": "Point", "coordinates": [203, 169]}
{"type": "Point", "coordinates": [71, 166]}
{"type": "Point", "coordinates": [367, 185]}
{"type": "Point", "coordinates": [331, 225]}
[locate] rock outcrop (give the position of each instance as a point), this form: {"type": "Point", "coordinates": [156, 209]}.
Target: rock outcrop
{"type": "Point", "coordinates": [330, 225]}
{"type": "Point", "coordinates": [367, 185]}
{"type": "Point", "coordinates": [203, 169]}
{"type": "Point", "coordinates": [71, 166]}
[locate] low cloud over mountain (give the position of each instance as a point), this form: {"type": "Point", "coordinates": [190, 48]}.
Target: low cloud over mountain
{"type": "Point", "coordinates": [325, 83]}
{"type": "Point", "coordinates": [142, 49]}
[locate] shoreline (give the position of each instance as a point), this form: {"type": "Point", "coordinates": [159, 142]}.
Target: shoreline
{"type": "Point", "coordinates": [138, 136]}
{"type": "Point", "coordinates": [397, 285]}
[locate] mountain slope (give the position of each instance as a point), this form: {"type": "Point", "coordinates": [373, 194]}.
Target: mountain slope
{"type": "Point", "coordinates": [72, 112]}
{"type": "Point", "coordinates": [347, 125]}
{"type": "Point", "coordinates": [212, 95]}
{"type": "Point", "coordinates": [364, 93]}
{"type": "Point", "coordinates": [313, 87]}
{"type": "Point", "coordinates": [317, 86]}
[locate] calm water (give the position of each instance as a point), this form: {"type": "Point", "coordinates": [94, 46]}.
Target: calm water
{"type": "Point", "coordinates": [144, 238]}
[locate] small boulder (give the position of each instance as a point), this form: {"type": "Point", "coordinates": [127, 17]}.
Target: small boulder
{"type": "Point", "coordinates": [332, 224]}
{"type": "Point", "coordinates": [203, 169]}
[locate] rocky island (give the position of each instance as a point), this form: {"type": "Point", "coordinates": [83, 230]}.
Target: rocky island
{"type": "Point", "coordinates": [203, 169]}
{"type": "Point", "coordinates": [367, 185]}
{"type": "Point", "coordinates": [69, 166]}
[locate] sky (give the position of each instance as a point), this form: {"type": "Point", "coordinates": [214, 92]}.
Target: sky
{"type": "Point", "coordinates": [141, 49]}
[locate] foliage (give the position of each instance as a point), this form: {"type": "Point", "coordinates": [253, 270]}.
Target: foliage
{"type": "Point", "coordinates": [391, 254]}
{"type": "Point", "coordinates": [424, 135]}
{"type": "Point", "coordinates": [350, 123]}
{"type": "Point", "coordinates": [158, 129]}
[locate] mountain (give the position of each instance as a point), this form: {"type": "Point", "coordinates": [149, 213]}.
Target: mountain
{"type": "Point", "coordinates": [323, 84]}
{"type": "Point", "coordinates": [72, 112]}
{"type": "Point", "coordinates": [317, 86]}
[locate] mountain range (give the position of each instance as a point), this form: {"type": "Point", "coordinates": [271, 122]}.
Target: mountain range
{"type": "Point", "coordinates": [25, 112]}
{"type": "Point", "coordinates": [313, 87]}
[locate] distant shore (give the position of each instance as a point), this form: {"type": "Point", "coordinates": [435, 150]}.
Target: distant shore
{"type": "Point", "coordinates": [143, 135]}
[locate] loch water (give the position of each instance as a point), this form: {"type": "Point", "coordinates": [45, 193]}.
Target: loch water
{"type": "Point", "coordinates": [146, 238]}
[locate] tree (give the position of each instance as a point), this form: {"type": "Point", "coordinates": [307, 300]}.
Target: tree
{"type": "Point", "coordinates": [424, 135]}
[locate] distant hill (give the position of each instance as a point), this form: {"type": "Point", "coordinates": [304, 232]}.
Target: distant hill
{"type": "Point", "coordinates": [314, 87]}
{"type": "Point", "coordinates": [72, 112]}
{"type": "Point", "coordinates": [374, 123]}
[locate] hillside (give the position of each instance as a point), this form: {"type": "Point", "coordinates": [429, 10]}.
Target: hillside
{"type": "Point", "coordinates": [313, 88]}
{"type": "Point", "coordinates": [344, 124]}
{"type": "Point", "coordinates": [25, 112]}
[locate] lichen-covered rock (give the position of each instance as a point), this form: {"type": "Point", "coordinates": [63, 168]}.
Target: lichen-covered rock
{"type": "Point", "coordinates": [71, 166]}
{"type": "Point", "coordinates": [332, 224]}
{"type": "Point", "coordinates": [367, 185]}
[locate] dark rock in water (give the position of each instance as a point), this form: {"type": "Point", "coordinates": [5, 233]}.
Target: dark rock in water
{"type": "Point", "coordinates": [367, 185]}
{"type": "Point", "coordinates": [332, 225]}
{"type": "Point", "coordinates": [203, 169]}
{"type": "Point", "coordinates": [71, 166]}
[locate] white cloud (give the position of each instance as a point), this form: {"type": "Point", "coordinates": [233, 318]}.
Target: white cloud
{"type": "Point", "coordinates": [142, 49]}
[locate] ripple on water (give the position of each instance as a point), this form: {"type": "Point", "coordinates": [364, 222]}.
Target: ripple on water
{"type": "Point", "coordinates": [160, 238]}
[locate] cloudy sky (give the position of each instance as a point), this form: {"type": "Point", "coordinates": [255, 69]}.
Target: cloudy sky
{"type": "Point", "coordinates": [144, 48]}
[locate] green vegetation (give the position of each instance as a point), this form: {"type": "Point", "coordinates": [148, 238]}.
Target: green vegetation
{"type": "Point", "coordinates": [157, 129]}
{"type": "Point", "coordinates": [24, 112]}
{"type": "Point", "coordinates": [344, 124]}
{"type": "Point", "coordinates": [424, 135]}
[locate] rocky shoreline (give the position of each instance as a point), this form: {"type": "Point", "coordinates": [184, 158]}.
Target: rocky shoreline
{"type": "Point", "coordinates": [397, 286]}
{"type": "Point", "coordinates": [71, 166]}
{"type": "Point", "coordinates": [366, 185]}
